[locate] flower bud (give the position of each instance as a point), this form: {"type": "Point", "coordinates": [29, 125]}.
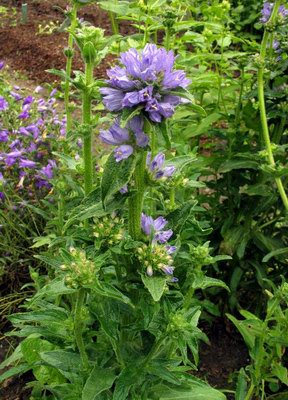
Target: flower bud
{"type": "Point", "coordinates": [89, 53]}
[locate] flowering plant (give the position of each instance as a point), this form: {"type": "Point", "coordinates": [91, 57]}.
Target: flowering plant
{"type": "Point", "coordinates": [127, 257]}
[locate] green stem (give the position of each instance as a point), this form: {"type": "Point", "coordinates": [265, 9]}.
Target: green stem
{"type": "Point", "coordinates": [78, 327]}
{"type": "Point", "coordinates": [261, 99]}
{"type": "Point", "coordinates": [172, 198]}
{"type": "Point", "coordinates": [69, 68]}
{"type": "Point", "coordinates": [250, 392]}
{"type": "Point", "coordinates": [167, 39]}
{"type": "Point", "coordinates": [60, 213]}
{"type": "Point", "coordinates": [86, 118]}
{"type": "Point", "coordinates": [136, 201]}
{"type": "Point", "coordinates": [154, 350]}
{"type": "Point", "coordinates": [114, 23]}
{"type": "Point", "coordinates": [238, 110]}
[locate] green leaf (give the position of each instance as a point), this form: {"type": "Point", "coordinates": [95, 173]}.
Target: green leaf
{"type": "Point", "coordinates": [55, 288]}
{"type": "Point", "coordinates": [274, 253]}
{"type": "Point", "coordinates": [155, 285]}
{"type": "Point", "coordinates": [19, 370]}
{"type": "Point", "coordinates": [63, 360]}
{"type": "Point", "coordinates": [31, 349]}
{"type": "Point", "coordinates": [107, 290]}
{"type": "Point", "coordinates": [281, 372]}
{"type": "Point", "coordinates": [120, 8]}
{"type": "Point", "coordinates": [164, 130]}
{"type": "Point", "coordinates": [128, 114]}
{"type": "Point", "coordinates": [204, 282]}
{"type": "Point", "coordinates": [241, 389]}
{"type": "Point", "coordinates": [243, 329]}
{"type": "Point", "coordinates": [99, 380]}
{"type": "Point", "coordinates": [116, 175]}
{"type": "Point", "coordinates": [178, 217]}
{"type": "Point", "coordinates": [15, 356]}
{"type": "Point", "coordinates": [238, 164]}
{"type": "Point", "coordinates": [195, 390]}
{"type": "Point", "coordinates": [203, 127]}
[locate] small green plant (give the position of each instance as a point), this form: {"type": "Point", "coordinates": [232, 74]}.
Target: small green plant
{"type": "Point", "coordinates": [267, 341]}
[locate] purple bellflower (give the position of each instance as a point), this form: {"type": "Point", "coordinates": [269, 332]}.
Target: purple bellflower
{"type": "Point", "coordinates": [3, 104]}
{"type": "Point", "coordinates": [155, 227]}
{"type": "Point", "coordinates": [125, 138]}
{"type": "Point", "coordinates": [146, 80]}
{"type": "Point", "coordinates": [156, 166]}
{"type": "Point", "coordinates": [267, 11]}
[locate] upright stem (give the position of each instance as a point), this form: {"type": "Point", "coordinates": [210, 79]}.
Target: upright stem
{"type": "Point", "coordinates": [167, 38]}
{"type": "Point", "coordinates": [78, 327]}
{"type": "Point", "coordinates": [69, 68]}
{"type": "Point", "coordinates": [261, 99]}
{"type": "Point", "coordinates": [136, 201]}
{"type": "Point", "coordinates": [86, 119]}
{"type": "Point", "coordinates": [154, 350]}
{"type": "Point", "coordinates": [114, 23]}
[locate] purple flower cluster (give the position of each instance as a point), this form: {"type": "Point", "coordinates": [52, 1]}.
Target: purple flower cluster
{"type": "Point", "coordinates": [126, 139]}
{"type": "Point", "coordinates": [155, 228]}
{"type": "Point", "coordinates": [159, 256]}
{"type": "Point", "coordinates": [26, 157]}
{"type": "Point", "coordinates": [156, 166]}
{"type": "Point", "coordinates": [146, 81]}
{"type": "Point", "coordinates": [267, 11]}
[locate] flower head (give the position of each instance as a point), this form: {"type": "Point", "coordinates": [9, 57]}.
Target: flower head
{"type": "Point", "coordinates": [146, 80]}
{"type": "Point", "coordinates": [267, 11]}
{"type": "Point", "coordinates": [128, 138]}
{"type": "Point", "coordinates": [155, 227]}
{"type": "Point", "coordinates": [3, 104]}
{"type": "Point", "coordinates": [156, 166]}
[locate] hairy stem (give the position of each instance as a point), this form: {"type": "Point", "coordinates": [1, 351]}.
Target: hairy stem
{"type": "Point", "coordinates": [136, 201]}
{"type": "Point", "coordinates": [261, 98]}
{"type": "Point", "coordinates": [114, 23]}
{"type": "Point", "coordinates": [86, 119]}
{"type": "Point", "coordinates": [69, 68]}
{"type": "Point", "coordinates": [78, 327]}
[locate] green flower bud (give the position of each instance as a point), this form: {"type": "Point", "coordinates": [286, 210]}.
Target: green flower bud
{"type": "Point", "coordinates": [89, 53]}
{"type": "Point", "coordinates": [68, 52]}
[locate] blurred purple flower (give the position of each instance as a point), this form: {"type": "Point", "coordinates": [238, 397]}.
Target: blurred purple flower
{"type": "Point", "coordinates": [27, 163]}
{"type": "Point", "coordinates": [147, 81]}
{"type": "Point", "coordinates": [2, 64]}
{"type": "Point", "coordinates": [4, 136]}
{"type": "Point", "coordinates": [24, 115]}
{"type": "Point", "coordinates": [124, 189]}
{"type": "Point", "coordinates": [47, 171]}
{"type": "Point", "coordinates": [122, 152]}
{"type": "Point", "coordinates": [267, 11]}
{"type": "Point", "coordinates": [16, 96]}
{"type": "Point", "coordinates": [3, 104]}
{"type": "Point", "coordinates": [38, 89]}
{"type": "Point", "coordinates": [28, 100]}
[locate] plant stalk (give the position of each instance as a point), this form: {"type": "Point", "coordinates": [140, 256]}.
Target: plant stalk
{"type": "Point", "coordinates": [86, 119]}
{"type": "Point", "coordinates": [261, 99]}
{"type": "Point", "coordinates": [69, 68]}
{"type": "Point", "coordinates": [136, 201]}
{"type": "Point", "coordinates": [78, 327]}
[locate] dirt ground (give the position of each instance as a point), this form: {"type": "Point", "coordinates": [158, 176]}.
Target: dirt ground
{"type": "Point", "coordinates": [25, 50]}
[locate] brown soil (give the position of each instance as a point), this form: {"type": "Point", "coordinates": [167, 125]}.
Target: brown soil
{"type": "Point", "coordinates": [224, 356]}
{"type": "Point", "coordinates": [26, 51]}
